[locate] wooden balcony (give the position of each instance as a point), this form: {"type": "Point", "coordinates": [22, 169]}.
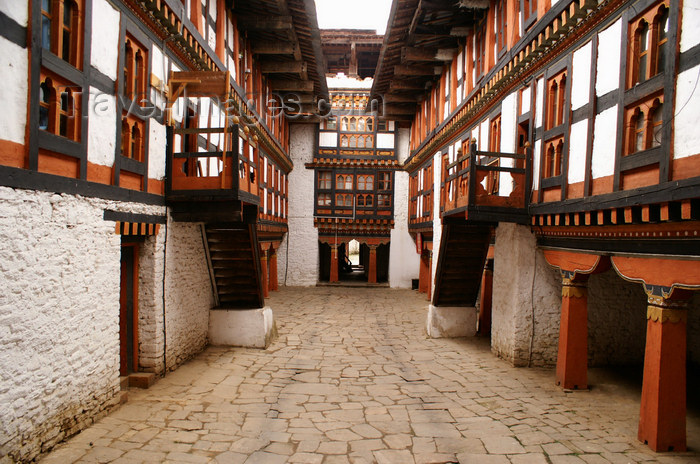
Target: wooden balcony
{"type": "Point", "coordinates": [486, 186]}
{"type": "Point", "coordinates": [209, 186]}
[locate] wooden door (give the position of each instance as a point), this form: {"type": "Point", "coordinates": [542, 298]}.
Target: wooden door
{"type": "Point", "coordinates": [128, 310]}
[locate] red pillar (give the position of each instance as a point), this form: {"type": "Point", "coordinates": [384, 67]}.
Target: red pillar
{"type": "Point", "coordinates": [221, 30]}
{"type": "Point", "coordinates": [272, 263]}
{"type": "Point", "coordinates": [662, 412]}
{"type": "Point", "coordinates": [572, 359]}
{"type": "Point", "coordinates": [334, 264]}
{"type": "Point", "coordinates": [372, 276]}
{"type": "Point", "coordinates": [485, 303]}
{"type": "Point", "coordinates": [423, 273]}
{"type": "Point", "coordinates": [429, 275]}
{"type": "Point", "coordinates": [263, 266]}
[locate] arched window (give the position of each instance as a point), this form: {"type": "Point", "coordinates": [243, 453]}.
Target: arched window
{"type": "Point", "coordinates": [370, 124]}
{"type": "Point", "coordinates": [135, 143]}
{"type": "Point", "coordinates": [638, 124]}
{"type": "Point", "coordinates": [348, 182]}
{"type": "Point", "coordinates": [369, 200]}
{"type": "Point", "coordinates": [642, 50]}
{"type": "Point", "coordinates": [360, 124]}
{"type": "Point", "coordinates": [344, 124]}
{"type": "Point", "coordinates": [128, 59]}
{"type": "Point", "coordinates": [45, 93]}
{"type": "Point", "coordinates": [65, 112]}
{"type": "Point", "coordinates": [655, 117]}
{"type": "Point", "coordinates": [352, 142]}
{"type": "Point", "coordinates": [138, 78]}
{"type": "Point", "coordinates": [360, 200]}
{"type": "Point", "coordinates": [661, 28]}
{"type": "Point", "coordinates": [360, 141]}
{"type": "Point", "coordinates": [353, 124]}
{"type": "Point", "coordinates": [560, 102]}
{"type": "Point", "coordinates": [340, 182]}
{"type": "Point", "coordinates": [344, 141]}
{"type": "Point", "coordinates": [126, 135]}
{"type": "Point", "coordinates": [558, 156]}
{"type": "Point", "coordinates": [549, 166]}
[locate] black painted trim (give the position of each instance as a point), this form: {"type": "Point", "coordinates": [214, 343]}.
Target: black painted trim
{"type": "Point", "coordinates": [641, 159]}
{"type": "Point", "coordinates": [101, 81]}
{"type": "Point", "coordinates": [669, 191]}
{"type": "Point", "coordinates": [580, 114]}
{"type": "Point", "coordinates": [689, 59]}
{"type": "Point", "coordinates": [32, 180]}
{"type": "Point", "coordinates": [58, 144]}
{"type": "Point", "coordinates": [121, 216]}
{"type": "Point", "coordinates": [622, 83]}
{"type": "Point", "coordinates": [657, 247]}
{"type": "Point", "coordinates": [592, 111]}
{"type": "Point", "coordinates": [605, 102]}
{"type": "Point", "coordinates": [12, 30]}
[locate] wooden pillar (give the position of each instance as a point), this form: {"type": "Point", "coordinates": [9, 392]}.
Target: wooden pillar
{"type": "Point", "coordinates": [424, 273]}
{"type": "Point", "coordinates": [272, 263]}
{"type": "Point", "coordinates": [372, 275]}
{"type": "Point", "coordinates": [485, 303]}
{"type": "Point", "coordinates": [572, 358]}
{"type": "Point", "coordinates": [196, 15]}
{"type": "Point", "coordinates": [662, 413]}
{"type": "Point", "coordinates": [263, 266]}
{"type": "Point", "coordinates": [334, 264]}
{"type": "Point", "coordinates": [221, 31]}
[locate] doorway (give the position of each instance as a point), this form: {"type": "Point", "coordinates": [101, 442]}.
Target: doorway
{"type": "Point", "coordinates": [128, 309]}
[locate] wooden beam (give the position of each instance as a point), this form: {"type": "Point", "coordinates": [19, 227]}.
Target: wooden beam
{"type": "Point", "coordinates": [398, 98]}
{"type": "Point", "coordinates": [406, 85]}
{"type": "Point", "coordinates": [399, 109]}
{"type": "Point", "coordinates": [270, 47]}
{"type": "Point", "coordinates": [427, 54]}
{"type": "Point", "coordinates": [460, 31]}
{"type": "Point", "coordinates": [265, 23]}
{"type": "Point", "coordinates": [280, 67]}
{"type": "Point", "coordinates": [405, 70]}
{"type": "Point", "coordinates": [287, 85]}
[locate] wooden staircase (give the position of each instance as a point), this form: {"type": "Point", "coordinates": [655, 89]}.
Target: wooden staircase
{"type": "Point", "coordinates": [463, 250]}
{"type": "Point", "coordinates": [234, 265]}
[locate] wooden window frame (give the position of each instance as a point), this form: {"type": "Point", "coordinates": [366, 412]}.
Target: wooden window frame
{"type": "Point", "coordinates": [528, 13]}
{"type": "Point", "coordinates": [553, 157]}
{"type": "Point", "coordinates": [648, 107]}
{"type": "Point", "coordinates": [501, 29]}
{"type": "Point", "coordinates": [480, 44]}
{"type": "Point", "coordinates": [57, 87]}
{"type": "Point", "coordinates": [382, 183]}
{"type": "Point", "coordinates": [58, 30]}
{"type": "Point", "coordinates": [323, 178]}
{"type": "Point", "coordinates": [651, 18]}
{"type": "Point", "coordinates": [556, 100]}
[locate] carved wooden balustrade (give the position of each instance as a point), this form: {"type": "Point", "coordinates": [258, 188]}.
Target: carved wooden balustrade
{"type": "Point", "coordinates": [487, 186]}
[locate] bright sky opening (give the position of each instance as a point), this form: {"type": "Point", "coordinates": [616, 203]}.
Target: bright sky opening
{"type": "Point", "coordinates": [356, 14]}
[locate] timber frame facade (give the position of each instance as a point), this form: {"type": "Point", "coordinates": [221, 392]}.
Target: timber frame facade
{"type": "Point", "coordinates": [564, 117]}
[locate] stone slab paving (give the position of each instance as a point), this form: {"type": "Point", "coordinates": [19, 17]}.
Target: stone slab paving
{"type": "Point", "coordinates": [352, 378]}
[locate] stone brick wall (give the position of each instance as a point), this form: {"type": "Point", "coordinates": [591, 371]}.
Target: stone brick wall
{"type": "Point", "coordinates": [303, 236]}
{"type": "Point", "coordinates": [59, 317]}
{"type": "Point", "coordinates": [59, 312]}
{"type": "Point", "coordinates": [188, 293]}
{"type": "Point", "coordinates": [617, 317]}
{"type": "Point", "coordinates": [526, 294]}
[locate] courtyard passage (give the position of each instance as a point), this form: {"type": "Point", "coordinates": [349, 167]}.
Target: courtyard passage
{"type": "Point", "coordinates": [352, 378]}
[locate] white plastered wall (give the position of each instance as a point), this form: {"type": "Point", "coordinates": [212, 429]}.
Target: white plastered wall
{"type": "Point", "coordinates": [404, 262]}
{"type": "Point", "coordinates": [690, 31]}
{"type": "Point", "coordinates": [509, 121]}
{"type": "Point", "coordinates": [328, 139]}
{"type": "Point", "coordinates": [526, 300]}
{"type": "Point", "coordinates": [608, 73]}
{"type": "Point", "coordinates": [13, 98]}
{"type": "Point", "coordinates": [437, 220]}
{"type": "Point", "coordinates": [302, 265]}
{"type": "Point", "coordinates": [581, 76]}
{"type": "Point", "coordinates": [105, 38]}
{"type": "Point", "coordinates": [603, 158]}
{"type": "Point", "coordinates": [102, 129]}
{"type": "Point", "coordinates": [17, 10]}
{"type": "Point", "coordinates": [577, 151]}
{"type": "Point", "coordinates": [686, 141]}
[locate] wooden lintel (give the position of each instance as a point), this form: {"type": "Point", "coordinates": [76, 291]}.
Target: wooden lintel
{"type": "Point", "coordinates": [460, 31]}
{"type": "Point", "coordinates": [405, 85]}
{"type": "Point", "coordinates": [265, 23]}
{"type": "Point", "coordinates": [269, 47]}
{"type": "Point", "coordinates": [399, 109]}
{"type": "Point", "coordinates": [287, 85]}
{"type": "Point", "coordinates": [283, 67]}
{"type": "Point", "coordinates": [398, 98]}
{"type": "Point", "coordinates": [406, 70]}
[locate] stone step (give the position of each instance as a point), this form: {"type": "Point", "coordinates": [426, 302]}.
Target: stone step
{"type": "Point", "coordinates": [142, 379]}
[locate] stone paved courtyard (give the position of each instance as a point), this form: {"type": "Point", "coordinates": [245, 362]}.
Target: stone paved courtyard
{"type": "Point", "coordinates": [352, 378]}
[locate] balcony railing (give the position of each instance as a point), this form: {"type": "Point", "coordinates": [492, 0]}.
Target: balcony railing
{"type": "Point", "coordinates": [487, 186]}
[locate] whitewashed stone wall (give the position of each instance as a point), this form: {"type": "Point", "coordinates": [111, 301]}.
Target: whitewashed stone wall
{"type": "Point", "coordinates": [526, 294]}
{"type": "Point", "coordinates": [14, 69]}
{"type": "Point", "coordinates": [188, 293]}
{"type": "Point", "coordinates": [59, 316]}
{"type": "Point", "coordinates": [437, 220]}
{"type": "Point", "coordinates": [404, 262]}
{"type": "Point", "coordinates": [617, 317]}
{"type": "Point", "coordinates": [303, 236]}
{"type": "Point", "coordinates": [151, 304]}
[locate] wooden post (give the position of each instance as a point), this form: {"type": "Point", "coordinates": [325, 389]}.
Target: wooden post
{"type": "Point", "coordinates": [663, 406]}
{"type": "Point", "coordinates": [273, 268]}
{"type": "Point", "coordinates": [372, 276]}
{"type": "Point", "coordinates": [572, 358]}
{"type": "Point", "coordinates": [485, 303]}
{"type": "Point", "coordinates": [221, 31]}
{"type": "Point", "coordinates": [424, 273]}
{"type": "Point", "coordinates": [334, 264]}
{"type": "Point", "coordinates": [263, 266]}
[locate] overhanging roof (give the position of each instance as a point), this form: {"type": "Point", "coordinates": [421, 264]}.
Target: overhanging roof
{"type": "Point", "coordinates": [421, 37]}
